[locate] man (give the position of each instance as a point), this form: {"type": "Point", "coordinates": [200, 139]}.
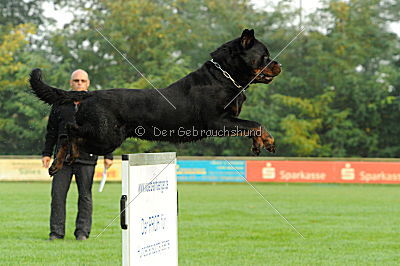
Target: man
{"type": "Point", "coordinates": [83, 167]}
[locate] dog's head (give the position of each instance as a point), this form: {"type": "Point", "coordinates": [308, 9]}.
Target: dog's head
{"type": "Point", "coordinates": [248, 59]}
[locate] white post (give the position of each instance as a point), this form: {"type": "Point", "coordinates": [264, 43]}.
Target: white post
{"type": "Point", "coordinates": [149, 209]}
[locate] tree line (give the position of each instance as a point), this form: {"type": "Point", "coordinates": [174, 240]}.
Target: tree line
{"type": "Point", "coordinates": [338, 94]}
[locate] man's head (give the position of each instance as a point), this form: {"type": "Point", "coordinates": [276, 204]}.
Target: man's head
{"type": "Point", "coordinates": [79, 80]}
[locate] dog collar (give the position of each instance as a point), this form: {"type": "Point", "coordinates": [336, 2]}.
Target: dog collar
{"type": "Point", "coordinates": [226, 74]}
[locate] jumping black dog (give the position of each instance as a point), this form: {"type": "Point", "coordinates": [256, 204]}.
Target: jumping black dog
{"type": "Point", "coordinates": [206, 102]}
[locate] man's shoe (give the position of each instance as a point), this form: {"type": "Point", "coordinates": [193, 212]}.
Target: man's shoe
{"type": "Point", "coordinates": [81, 237]}
{"type": "Point", "coordinates": [55, 237]}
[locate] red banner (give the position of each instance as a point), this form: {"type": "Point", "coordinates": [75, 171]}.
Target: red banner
{"type": "Point", "coordinates": [323, 171]}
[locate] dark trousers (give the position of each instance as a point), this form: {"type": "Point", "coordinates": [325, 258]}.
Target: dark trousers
{"type": "Point", "coordinates": [61, 181]}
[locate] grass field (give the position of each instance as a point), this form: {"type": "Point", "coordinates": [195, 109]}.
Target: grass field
{"type": "Point", "coordinates": [219, 224]}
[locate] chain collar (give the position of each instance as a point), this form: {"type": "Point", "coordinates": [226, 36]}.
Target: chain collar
{"type": "Point", "coordinates": [226, 74]}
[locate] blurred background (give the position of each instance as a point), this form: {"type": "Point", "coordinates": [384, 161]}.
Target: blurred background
{"type": "Point", "coordinates": [334, 112]}
{"type": "Point", "coordinates": [338, 95]}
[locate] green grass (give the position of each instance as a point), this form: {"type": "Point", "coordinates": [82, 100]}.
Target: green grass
{"type": "Point", "coordinates": [219, 224]}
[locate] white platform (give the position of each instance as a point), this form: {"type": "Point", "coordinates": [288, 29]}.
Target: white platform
{"type": "Point", "coordinates": [150, 220]}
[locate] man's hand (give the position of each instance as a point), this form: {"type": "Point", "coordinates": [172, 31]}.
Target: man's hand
{"type": "Point", "coordinates": [46, 161]}
{"type": "Point", "coordinates": [107, 163]}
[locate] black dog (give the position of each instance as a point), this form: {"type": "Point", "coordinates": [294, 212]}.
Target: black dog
{"type": "Point", "coordinates": [207, 102]}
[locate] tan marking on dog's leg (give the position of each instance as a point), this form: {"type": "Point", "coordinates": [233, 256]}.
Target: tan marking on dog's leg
{"type": "Point", "coordinates": [75, 151]}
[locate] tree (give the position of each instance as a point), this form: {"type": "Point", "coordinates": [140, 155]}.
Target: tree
{"type": "Point", "coordinates": [21, 12]}
{"type": "Point", "coordinates": [338, 94]}
{"type": "Point", "coordinates": [333, 98]}
{"type": "Point", "coordinates": [21, 116]}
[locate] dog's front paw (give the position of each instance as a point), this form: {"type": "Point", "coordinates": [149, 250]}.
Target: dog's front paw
{"type": "Point", "coordinates": [257, 146]}
{"type": "Point", "coordinates": [256, 150]}
{"type": "Point", "coordinates": [269, 144]}
{"type": "Point", "coordinates": [271, 148]}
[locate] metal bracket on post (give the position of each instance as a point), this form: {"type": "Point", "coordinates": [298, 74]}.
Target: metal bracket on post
{"type": "Point", "coordinates": [122, 205]}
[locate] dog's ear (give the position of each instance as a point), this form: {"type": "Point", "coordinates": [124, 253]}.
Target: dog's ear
{"type": "Point", "coordinates": [247, 38]}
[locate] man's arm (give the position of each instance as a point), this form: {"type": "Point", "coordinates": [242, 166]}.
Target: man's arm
{"type": "Point", "coordinates": [51, 138]}
{"type": "Point", "coordinates": [108, 160]}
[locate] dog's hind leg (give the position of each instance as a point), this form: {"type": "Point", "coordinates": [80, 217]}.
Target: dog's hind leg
{"type": "Point", "coordinates": [60, 157]}
{"type": "Point", "coordinates": [74, 133]}
{"type": "Point", "coordinates": [74, 149]}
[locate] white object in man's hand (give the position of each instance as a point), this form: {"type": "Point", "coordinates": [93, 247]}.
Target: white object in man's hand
{"type": "Point", "coordinates": [103, 180]}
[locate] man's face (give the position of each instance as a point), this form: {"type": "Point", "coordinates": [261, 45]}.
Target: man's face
{"type": "Point", "coordinates": [79, 81]}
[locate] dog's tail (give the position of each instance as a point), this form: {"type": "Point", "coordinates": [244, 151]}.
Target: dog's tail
{"type": "Point", "coordinates": [52, 95]}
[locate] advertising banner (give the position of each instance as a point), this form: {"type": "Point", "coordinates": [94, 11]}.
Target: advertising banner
{"type": "Point", "coordinates": [23, 169]}
{"type": "Point", "coordinates": [32, 170]}
{"type": "Point", "coordinates": [211, 170]}
{"type": "Point", "coordinates": [324, 171]}
{"type": "Point", "coordinates": [219, 170]}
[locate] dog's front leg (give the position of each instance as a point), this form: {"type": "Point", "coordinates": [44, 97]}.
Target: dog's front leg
{"type": "Point", "coordinates": [240, 127]}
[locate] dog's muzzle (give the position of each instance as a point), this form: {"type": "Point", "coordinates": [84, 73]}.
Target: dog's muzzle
{"type": "Point", "coordinates": [267, 73]}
